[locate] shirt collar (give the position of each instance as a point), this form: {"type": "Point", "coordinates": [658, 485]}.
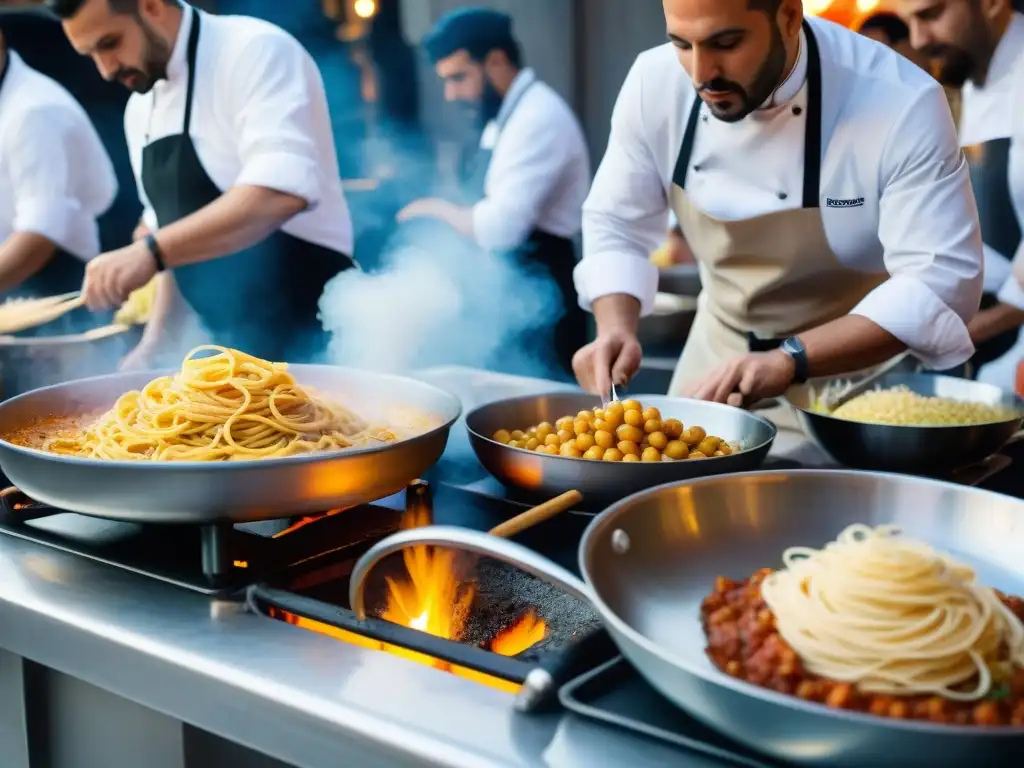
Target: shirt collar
{"type": "Point", "coordinates": [12, 69]}
{"type": "Point", "coordinates": [520, 83]}
{"type": "Point", "coordinates": [177, 66]}
{"type": "Point", "coordinates": [790, 87]}
{"type": "Point", "coordinates": [1008, 50]}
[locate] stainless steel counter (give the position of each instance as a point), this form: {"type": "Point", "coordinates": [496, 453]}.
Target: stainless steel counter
{"type": "Point", "coordinates": [142, 670]}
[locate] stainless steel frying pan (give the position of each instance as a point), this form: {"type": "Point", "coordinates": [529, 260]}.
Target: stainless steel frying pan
{"type": "Point", "coordinates": [649, 561]}
{"type": "Point", "coordinates": [210, 492]}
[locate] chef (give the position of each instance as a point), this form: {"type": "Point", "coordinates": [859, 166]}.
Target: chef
{"type": "Point", "coordinates": [55, 181]}
{"type": "Point", "coordinates": [532, 171]}
{"type": "Point", "coordinates": [980, 47]}
{"type": "Point", "coordinates": [231, 144]}
{"type": "Point", "coordinates": [817, 179]}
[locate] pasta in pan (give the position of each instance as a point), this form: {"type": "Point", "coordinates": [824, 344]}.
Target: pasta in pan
{"type": "Point", "coordinates": [227, 406]}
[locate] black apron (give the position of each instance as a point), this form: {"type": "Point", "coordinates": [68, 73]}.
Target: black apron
{"type": "Point", "coordinates": [262, 300]}
{"type": "Point", "coordinates": [552, 257]}
{"type": "Point", "coordinates": [989, 164]}
{"type": "Point", "coordinates": [63, 273]}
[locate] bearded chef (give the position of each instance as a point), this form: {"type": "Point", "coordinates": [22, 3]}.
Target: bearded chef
{"type": "Point", "coordinates": [532, 172]}
{"type": "Point", "coordinates": [231, 143]}
{"type": "Point", "coordinates": [979, 47]}
{"type": "Point", "coordinates": [816, 178]}
{"type": "Point", "coordinates": [55, 181]}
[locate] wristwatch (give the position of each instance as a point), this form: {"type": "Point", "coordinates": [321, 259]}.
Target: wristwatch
{"type": "Point", "coordinates": [155, 252]}
{"type": "Point", "coordinates": [796, 350]}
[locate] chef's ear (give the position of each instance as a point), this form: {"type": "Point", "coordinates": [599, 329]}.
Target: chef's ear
{"type": "Point", "coordinates": [495, 61]}
{"type": "Point", "coordinates": [991, 10]}
{"type": "Point", "coordinates": [790, 17]}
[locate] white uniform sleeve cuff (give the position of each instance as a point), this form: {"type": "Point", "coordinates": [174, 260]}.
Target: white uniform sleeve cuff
{"type": "Point", "coordinates": [149, 219]}
{"type": "Point", "coordinates": [909, 310]}
{"type": "Point", "coordinates": [498, 230]}
{"type": "Point", "coordinates": [50, 217]}
{"type": "Point", "coordinates": [602, 274]}
{"type": "Point", "coordinates": [1012, 293]}
{"type": "Point", "coordinates": [284, 172]}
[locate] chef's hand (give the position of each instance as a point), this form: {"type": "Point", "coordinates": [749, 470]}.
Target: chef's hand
{"type": "Point", "coordinates": [678, 249]}
{"type": "Point", "coordinates": [426, 208]}
{"type": "Point", "coordinates": [141, 230]}
{"type": "Point", "coordinates": [111, 276]}
{"type": "Point", "coordinates": [746, 379]}
{"type": "Point", "coordinates": [613, 357]}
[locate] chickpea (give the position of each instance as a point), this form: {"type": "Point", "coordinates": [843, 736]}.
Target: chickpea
{"type": "Point", "coordinates": [614, 407]}
{"type": "Point", "coordinates": [602, 425]}
{"type": "Point", "coordinates": [581, 426]}
{"type": "Point", "coordinates": [709, 445]}
{"type": "Point", "coordinates": [651, 454]}
{"type": "Point", "coordinates": [673, 428]}
{"type": "Point", "coordinates": [626, 447]}
{"type": "Point", "coordinates": [563, 423]}
{"type": "Point", "coordinates": [594, 453]}
{"type": "Point", "coordinates": [634, 418]}
{"type": "Point", "coordinates": [517, 434]}
{"type": "Point", "coordinates": [612, 454]}
{"type": "Point", "coordinates": [585, 416]}
{"type": "Point", "coordinates": [604, 438]}
{"type": "Point", "coordinates": [569, 450]}
{"type": "Point", "coordinates": [630, 457]}
{"type": "Point", "coordinates": [693, 436]}
{"type": "Point", "coordinates": [718, 453]}
{"type": "Point", "coordinates": [652, 425]}
{"type": "Point", "coordinates": [531, 432]}
{"type": "Point", "coordinates": [501, 436]}
{"type": "Point", "coordinates": [532, 444]}
{"type": "Point", "coordinates": [585, 441]}
{"type": "Point", "coordinates": [631, 433]}
{"type": "Point", "coordinates": [599, 414]}
{"type": "Point", "coordinates": [550, 449]}
{"type": "Point", "coordinates": [657, 440]}
{"type": "Point", "coordinates": [552, 440]}
{"type": "Point", "coordinates": [725, 449]}
{"type": "Point", "coordinates": [544, 431]}
{"type": "Point", "coordinates": [613, 418]}
{"type": "Point", "coordinates": [632, 405]}
{"type": "Point", "coordinates": [652, 413]}
{"type": "Point", "coordinates": [564, 435]}
{"type": "Point", "coordinates": [677, 449]}
{"type": "Point", "coordinates": [697, 455]}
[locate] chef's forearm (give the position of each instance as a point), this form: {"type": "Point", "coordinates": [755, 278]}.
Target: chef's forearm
{"type": "Point", "coordinates": [851, 343]}
{"type": "Point", "coordinates": [21, 256]}
{"type": "Point", "coordinates": [991, 322]}
{"type": "Point", "coordinates": [616, 312]}
{"type": "Point", "coordinates": [238, 219]}
{"type": "Point", "coordinates": [162, 310]}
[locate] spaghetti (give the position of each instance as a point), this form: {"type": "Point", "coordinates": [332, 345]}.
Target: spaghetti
{"type": "Point", "coordinates": [893, 616]}
{"type": "Point", "coordinates": [227, 406]}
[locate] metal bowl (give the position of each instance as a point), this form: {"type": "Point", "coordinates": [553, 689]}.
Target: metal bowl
{"type": "Point", "coordinates": [541, 475]}
{"type": "Point", "coordinates": [680, 279]}
{"type": "Point", "coordinates": [669, 324]}
{"type": "Point", "coordinates": [935, 451]}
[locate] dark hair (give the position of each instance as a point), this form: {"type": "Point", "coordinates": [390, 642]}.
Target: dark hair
{"type": "Point", "coordinates": [768, 6]}
{"type": "Point", "coordinates": [889, 24]}
{"type": "Point", "coordinates": [65, 9]}
{"type": "Point", "coordinates": [478, 31]}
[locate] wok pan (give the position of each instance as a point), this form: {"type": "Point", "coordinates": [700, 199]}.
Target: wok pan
{"type": "Point", "coordinates": [934, 451]}
{"type": "Point", "coordinates": [235, 491]}
{"type": "Point", "coordinates": [648, 562]}
{"type": "Point", "coordinates": [602, 482]}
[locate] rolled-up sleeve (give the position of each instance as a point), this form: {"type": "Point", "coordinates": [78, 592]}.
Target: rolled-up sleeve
{"type": "Point", "coordinates": [271, 94]}
{"type": "Point", "coordinates": [40, 166]}
{"type": "Point", "coordinates": [625, 216]}
{"type": "Point", "coordinates": [928, 226]}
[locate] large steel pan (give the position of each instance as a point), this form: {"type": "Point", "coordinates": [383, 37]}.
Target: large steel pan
{"type": "Point", "coordinates": [649, 561]}
{"type": "Point", "coordinates": [209, 492]}
{"type": "Point", "coordinates": [600, 482]}
{"type": "Point", "coordinates": [935, 451]}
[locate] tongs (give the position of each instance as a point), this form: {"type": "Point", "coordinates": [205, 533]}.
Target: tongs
{"type": "Point", "coordinates": [18, 315]}
{"type": "Point", "coordinates": [830, 402]}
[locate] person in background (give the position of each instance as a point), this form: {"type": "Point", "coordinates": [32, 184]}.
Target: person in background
{"type": "Point", "coordinates": [979, 47]}
{"type": "Point", "coordinates": [888, 29]}
{"type": "Point", "coordinates": [56, 179]}
{"type": "Point", "coordinates": [231, 142]}
{"type": "Point", "coordinates": [532, 172]}
{"type": "Point", "coordinates": [817, 179]}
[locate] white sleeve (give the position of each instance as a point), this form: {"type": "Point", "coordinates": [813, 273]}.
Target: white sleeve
{"type": "Point", "coordinates": [270, 98]}
{"type": "Point", "coordinates": [135, 118]}
{"type": "Point", "coordinates": [928, 226]}
{"type": "Point", "coordinates": [625, 216]}
{"type": "Point", "coordinates": [1012, 290]}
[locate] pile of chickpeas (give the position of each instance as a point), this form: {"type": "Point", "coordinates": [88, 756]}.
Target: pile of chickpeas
{"type": "Point", "coordinates": [620, 431]}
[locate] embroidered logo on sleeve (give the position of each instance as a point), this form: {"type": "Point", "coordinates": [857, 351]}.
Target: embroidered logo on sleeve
{"type": "Point", "coordinates": [849, 202]}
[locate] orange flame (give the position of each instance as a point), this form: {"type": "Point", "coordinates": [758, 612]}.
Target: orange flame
{"type": "Point", "coordinates": [304, 521]}
{"type": "Point", "coordinates": [528, 630]}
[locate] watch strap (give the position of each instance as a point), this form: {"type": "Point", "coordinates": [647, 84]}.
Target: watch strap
{"type": "Point", "coordinates": [155, 252]}
{"type": "Point", "coordinates": [798, 352]}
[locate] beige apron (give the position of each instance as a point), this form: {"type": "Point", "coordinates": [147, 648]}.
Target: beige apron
{"type": "Point", "coordinates": [766, 278]}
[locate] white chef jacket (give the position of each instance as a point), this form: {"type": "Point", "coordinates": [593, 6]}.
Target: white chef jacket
{"type": "Point", "coordinates": [1012, 291]}
{"type": "Point", "coordinates": [985, 115]}
{"type": "Point", "coordinates": [895, 189]}
{"type": "Point", "coordinates": [55, 175]}
{"type": "Point", "coordinates": [539, 173]}
{"type": "Point", "coordinates": [259, 118]}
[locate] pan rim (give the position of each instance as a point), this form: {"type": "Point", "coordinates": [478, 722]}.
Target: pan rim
{"type": "Point", "coordinates": [223, 466]}
{"type": "Point", "coordinates": [773, 429]}
{"type": "Point", "coordinates": [715, 676]}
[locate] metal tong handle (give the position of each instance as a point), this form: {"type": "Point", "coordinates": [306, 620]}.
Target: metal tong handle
{"type": "Point", "coordinates": [862, 386]}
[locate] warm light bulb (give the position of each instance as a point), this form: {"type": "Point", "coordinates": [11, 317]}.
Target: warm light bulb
{"type": "Point", "coordinates": [365, 8]}
{"type": "Point", "coordinates": [814, 7]}
{"type": "Point", "coordinates": [867, 6]}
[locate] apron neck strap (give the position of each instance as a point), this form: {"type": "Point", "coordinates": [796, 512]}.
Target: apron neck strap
{"type": "Point", "coordinates": [5, 66]}
{"type": "Point", "coordinates": [812, 129]}
{"type": "Point", "coordinates": [193, 48]}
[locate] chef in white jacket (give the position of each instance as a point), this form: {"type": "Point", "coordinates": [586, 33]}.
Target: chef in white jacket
{"type": "Point", "coordinates": [817, 179]}
{"type": "Point", "coordinates": [56, 179]}
{"type": "Point", "coordinates": [1011, 292]}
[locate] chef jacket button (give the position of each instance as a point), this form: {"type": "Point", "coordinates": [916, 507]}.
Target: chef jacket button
{"type": "Point", "coordinates": [704, 118]}
{"type": "Point", "coordinates": [797, 110]}
{"type": "Point", "coordinates": [782, 195]}
{"type": "Point", "coordinates": [696, 168]}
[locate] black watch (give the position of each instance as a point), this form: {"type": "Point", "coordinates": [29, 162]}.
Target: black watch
{"type": "Point", "coordinates": [155, 252]}
{"type": "Point", "coordinates": [796, 350]}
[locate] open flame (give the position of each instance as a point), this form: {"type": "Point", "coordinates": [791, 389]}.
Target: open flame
{"type": "Point", "coordinates": [528, 630]}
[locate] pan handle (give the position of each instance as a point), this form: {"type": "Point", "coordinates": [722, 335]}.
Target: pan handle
{"type": "Point", "coordinates": [469, 541]}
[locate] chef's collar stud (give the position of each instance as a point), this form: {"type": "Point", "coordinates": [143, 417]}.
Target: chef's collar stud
{"type": "Point", "coordinates": [797, 110]}
{"type": "Point", "coordinates": [782, 195]}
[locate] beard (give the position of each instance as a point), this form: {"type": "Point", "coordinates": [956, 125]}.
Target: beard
{"type": "Point", "coordinates": [955, 65]}
{"type": "Point", "coordinates": [481, 111]}
{"type": "Point", "coordinates": [155, 56]}
{"type": "Point", "coordinates": [742, 101]}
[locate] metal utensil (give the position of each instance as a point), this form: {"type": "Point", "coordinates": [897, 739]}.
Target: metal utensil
{"type": "Point", "coordinates": [649, 561]}
{"type": "Point", "coordinates": [831, 401]}
{"type": "Point", "coordinates": [935, 451]}
{"type": "Point", "coordinates": [600, 482]}
{"type": "Point", "coordinates": [32, 313]}
{"type": "Point", "coordinates": [235, 491]}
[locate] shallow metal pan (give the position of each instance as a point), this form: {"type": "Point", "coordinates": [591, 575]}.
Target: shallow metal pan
{"type": "Point", "coordinates": [649, 561]}
{"type": "Point", "coordinates": [210, 492]}
{"type": "Point", "coordinates": [932, 451]}
{"type": "Point", "coordinates": [600, 482]}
